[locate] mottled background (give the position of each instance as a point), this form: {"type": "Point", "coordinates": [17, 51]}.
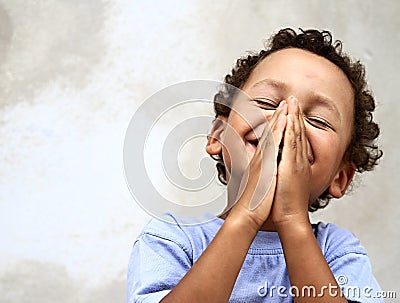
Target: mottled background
{"type": "Point", "coordinates": [72, 74]}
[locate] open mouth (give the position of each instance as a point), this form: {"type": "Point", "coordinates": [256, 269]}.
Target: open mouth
{"type": "Point", "coordinates": [252, 140]}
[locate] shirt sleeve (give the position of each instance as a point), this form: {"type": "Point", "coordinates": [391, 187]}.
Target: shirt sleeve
{"type": "Point", "coordinates": [351, 267]}
{"type": "Point", "coordinates": [157, 263]}
{"type": "Point", "coordinates": [354, 275]}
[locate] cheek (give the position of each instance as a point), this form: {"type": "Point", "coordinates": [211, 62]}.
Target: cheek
{"type": "Point", "coordinates": [325, 145]}
{"type": "Point", "coordinates": [328, 153]}
{"type": "Point", "coordinates": [226, 159]}
{"type": "Point", "coordinates": [236, 156]}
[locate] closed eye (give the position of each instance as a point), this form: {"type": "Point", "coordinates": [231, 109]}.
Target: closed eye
{"type": "Point", "coordinates": [266, 104]}
{"type": "Point", "coordinates": [319, 123]}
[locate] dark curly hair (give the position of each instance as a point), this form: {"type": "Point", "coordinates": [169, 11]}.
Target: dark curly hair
{"type": "Point", "coordinates": [362, 151]}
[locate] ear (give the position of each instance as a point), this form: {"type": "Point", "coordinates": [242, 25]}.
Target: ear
{"type": "Point", "coordinates": [342, 180]}
{"type": "Point", "coordinates": [214, 145]}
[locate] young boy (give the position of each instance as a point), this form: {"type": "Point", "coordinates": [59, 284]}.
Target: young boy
{"type": "Point", "coordinates": [319, 110]}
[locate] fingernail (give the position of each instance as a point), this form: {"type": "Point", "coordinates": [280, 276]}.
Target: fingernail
{"type": "Point", "coordinates": [283, 102]}
{"type": "Point", "coordinates": [292, 99]}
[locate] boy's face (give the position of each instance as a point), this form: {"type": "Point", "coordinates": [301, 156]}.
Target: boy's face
{"type": "Point", "coordinates": [326, 100]}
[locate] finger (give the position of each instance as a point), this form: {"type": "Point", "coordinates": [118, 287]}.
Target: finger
{"type": "Point", "coordinates": [281, 110]}
{"type": "Point", "coordinates": [297, 130]}
{"type": "Point", "coordinates": [268, 150]}
{"type": "Point", "coordinates": [289, 141]}
{"type": "Point", "coordinates": [275, 116]}
{"type": "Point", "coordinates": [267, 196]}
{"type": "Point", "coordinates": [266, 155]}
{"type": "Point", "coordinates": [294, 134]}
{"type": "Point", "coordinates": [293, 112]}
{"type": "Point", "coordinates": [292, 105]}
{"type": "Point", "coordinates": [304, 136]}
{"type": "Point", "coordinates": [278, 131]}
{"type": "Point", "coordinates": [279, 125]}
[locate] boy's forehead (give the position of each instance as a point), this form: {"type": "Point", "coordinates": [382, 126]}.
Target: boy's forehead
{"type": "Point", "coordinates": [291, 68]}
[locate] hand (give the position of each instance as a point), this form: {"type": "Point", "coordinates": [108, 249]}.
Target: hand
{"type": "Point", "coordinates": [257, 195]}
{"type": "Point", "coordinates": [294, 172]}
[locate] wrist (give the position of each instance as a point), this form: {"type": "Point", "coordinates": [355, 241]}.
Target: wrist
{"type": "Point", "coordinates": [294, 225]}
{"type": "Point", "coordinates": [242, 219]}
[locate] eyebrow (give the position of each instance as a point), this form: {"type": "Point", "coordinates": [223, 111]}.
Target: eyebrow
{"type": "Point", "coordinates": [272, 83]}
{"type": "Point", "coordinates": [315, 97]}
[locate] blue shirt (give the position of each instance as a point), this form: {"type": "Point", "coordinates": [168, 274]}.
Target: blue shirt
{"type": "Point", "coordinates": [164, 252]}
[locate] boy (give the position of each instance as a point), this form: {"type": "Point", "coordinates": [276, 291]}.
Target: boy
{"type": "Point", "coordinates": [320, 115]}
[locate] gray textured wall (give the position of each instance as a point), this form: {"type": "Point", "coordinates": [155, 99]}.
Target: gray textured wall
{"type": "Point", "coordinates": [71, 75]}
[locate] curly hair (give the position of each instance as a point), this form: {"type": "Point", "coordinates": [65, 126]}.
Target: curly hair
{"type": "Point", "coordinates": [363, 150]}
